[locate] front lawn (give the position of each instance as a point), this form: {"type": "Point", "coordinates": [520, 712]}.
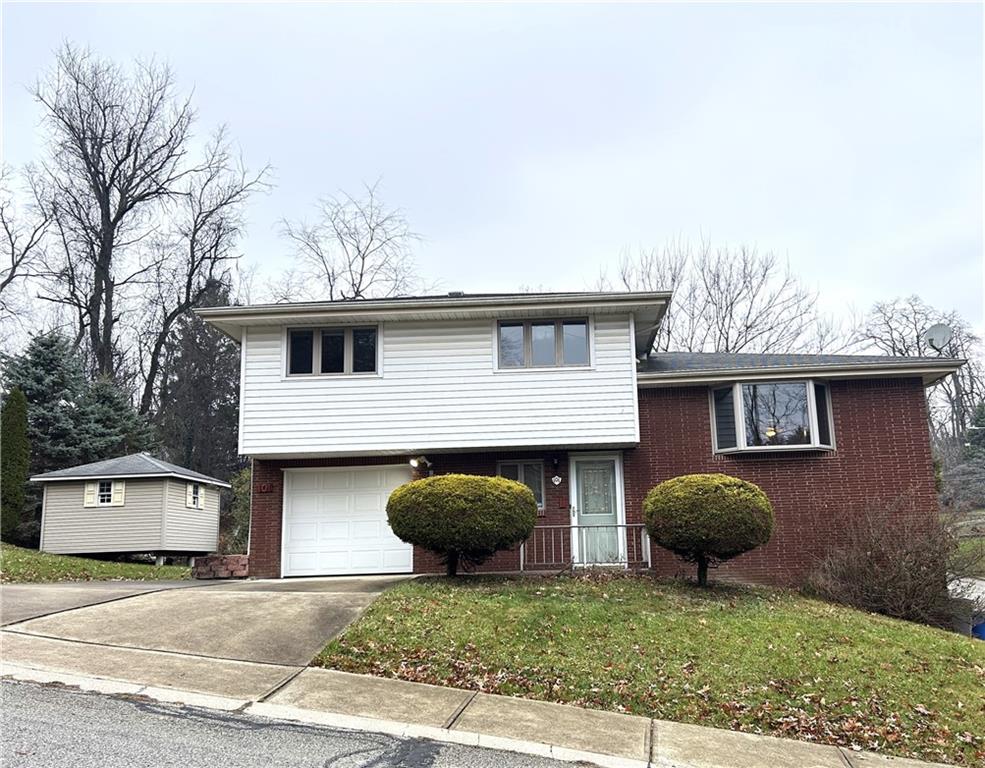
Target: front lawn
{"type": "Point", "coordinates": [22, 565]}
{"type": "Point", "coordinates": [748, 659]}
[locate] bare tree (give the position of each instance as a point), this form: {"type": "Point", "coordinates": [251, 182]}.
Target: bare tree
{"type": "Point", "coordinates": [897, 328]}
{"type": "Point", "coordinates": [194, 254]}
{"type": "Point", "coordinates": [118, 146]}
{"type": "Point", "coordinates": [23, 242]}
{"type": "Point", "coordinates": [356, 248]}
{"type": "Point", "coordinates": [728, 300]}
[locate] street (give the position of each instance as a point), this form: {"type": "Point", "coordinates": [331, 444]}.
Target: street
{"type": "Point", "coordinates": [52, 726]}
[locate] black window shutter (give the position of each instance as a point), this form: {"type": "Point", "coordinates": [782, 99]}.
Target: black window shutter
{"type": "Point", "coordinates": [724, 418]}
{"type": "Point", "coordinates": [823, 426]}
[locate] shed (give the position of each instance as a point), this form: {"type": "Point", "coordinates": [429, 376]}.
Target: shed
{"type": "Point", "coordinates": [135, 503]}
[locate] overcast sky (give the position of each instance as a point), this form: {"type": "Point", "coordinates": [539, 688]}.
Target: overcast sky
{"type": "Point", "coordinates": [530, 144]}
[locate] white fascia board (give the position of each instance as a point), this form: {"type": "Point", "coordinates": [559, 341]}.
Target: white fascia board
{"type": "Point", "coordinates": [231, 320]}
{"type": "Point", "coordinates": [929, 374]}
{"type": "Point", "coordinates": [90, 478]}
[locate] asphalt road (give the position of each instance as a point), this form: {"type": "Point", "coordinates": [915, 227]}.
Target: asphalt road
{"type": "Point", "coordinates": [54, 726]}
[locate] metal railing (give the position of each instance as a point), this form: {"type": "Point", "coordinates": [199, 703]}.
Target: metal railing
{"type": "Point", "coordinates": [559, 546]}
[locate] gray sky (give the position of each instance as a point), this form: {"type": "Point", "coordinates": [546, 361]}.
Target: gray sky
{"type": "Point", "coordinates": [529, 144]}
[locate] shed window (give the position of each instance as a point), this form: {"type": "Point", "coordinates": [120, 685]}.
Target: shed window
{"type": "Point", "coordinates": [104, 493]}
{"type": "Point", "coordinates": [772, 416]}
{"type": "Point", "coordinates": [325, 351]}
{"type": "Point", "coordinates": [194, 496]}
{"type": "Point", "coordinates": [530, 473]}
{"type": "Point", "coordinates": [543, 343]}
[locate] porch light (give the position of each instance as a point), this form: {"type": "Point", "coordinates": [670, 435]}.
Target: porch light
{"type": "Point", "coordinates": [420, 461]}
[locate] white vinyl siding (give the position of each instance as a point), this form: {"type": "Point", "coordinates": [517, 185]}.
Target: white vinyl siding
{"type": "Point", "coordinates": [190, 529]}
{"type": "Point", "coordinates": [134, 526]}
{"type": "Point", "coordinates": [438, 387]}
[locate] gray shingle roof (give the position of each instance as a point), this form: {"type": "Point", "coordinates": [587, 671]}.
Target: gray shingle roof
{"type": "Point", "coordinates": [685, 362]}
{"type": "Point", "coordinates": [136, 464]}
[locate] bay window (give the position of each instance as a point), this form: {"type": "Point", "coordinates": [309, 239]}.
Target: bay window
{"type": "Point", "coordinates": [750, 416]}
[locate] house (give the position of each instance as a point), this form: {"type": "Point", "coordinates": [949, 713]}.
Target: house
{"type": "Point", "coordinates": [341, 402]}
{"type": "Point", "coordinates": [134, 503]}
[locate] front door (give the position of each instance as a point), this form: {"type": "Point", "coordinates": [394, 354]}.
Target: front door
{"type": "Point", "coordinates": [596, 510]}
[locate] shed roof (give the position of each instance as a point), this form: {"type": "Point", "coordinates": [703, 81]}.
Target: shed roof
{"type": "Point", "coordinates": [134, 465]}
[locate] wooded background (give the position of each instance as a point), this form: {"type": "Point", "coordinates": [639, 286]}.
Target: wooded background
{"type": "Point", "coordinates": [128, 220]}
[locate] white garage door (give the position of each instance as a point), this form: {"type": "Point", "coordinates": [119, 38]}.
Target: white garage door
{"type": "Point", "coordinates": [335, 522]}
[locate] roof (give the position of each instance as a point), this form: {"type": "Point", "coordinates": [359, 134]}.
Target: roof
{"type": "Point", "coordinates": [647, 308]}
{"type": "Point", "coordinates": [673, 367]}
{"type": "Point", "coordinates": [134, 465]}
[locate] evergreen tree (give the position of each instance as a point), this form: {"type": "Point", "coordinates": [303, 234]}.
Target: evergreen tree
{"type": "Point", "coordinates": [51, 377]}
{"type": "Point", "coordinates": [198, 416]}
{"type": "Point", "coordinates": [109, 424]}
{"type": "Point", "coordinates": [15, 459]}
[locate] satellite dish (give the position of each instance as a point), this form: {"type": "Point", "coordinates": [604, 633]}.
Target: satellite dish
{"type": "Point", "coordinates": [937, 336]}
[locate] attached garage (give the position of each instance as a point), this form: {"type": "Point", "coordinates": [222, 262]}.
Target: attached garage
{"type": "Point", "coordinates": [335, 522]}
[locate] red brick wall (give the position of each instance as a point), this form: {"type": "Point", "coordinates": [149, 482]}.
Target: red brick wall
{"type": "Point", "coordinates": [883, 453]}
{"type": "Point", "coordinates": [268, 494]}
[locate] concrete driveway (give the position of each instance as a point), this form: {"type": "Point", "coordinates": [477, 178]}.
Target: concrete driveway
{"type": "Point", "coordinates": [234, 639]}
{"type": "Point", "coordinates": [19, 602]}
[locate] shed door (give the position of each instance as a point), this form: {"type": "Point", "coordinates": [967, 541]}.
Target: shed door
{"type": "Point", "coordinates": [335, 522]}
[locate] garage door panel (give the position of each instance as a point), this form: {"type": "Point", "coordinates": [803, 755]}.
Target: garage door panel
{"type": "Point", "coordinates": [368, 502]}
{"type": "Point", "coordinates": [302, 532]}
{"type": "Point", "coordinates": [333, 532]}
{"type": "Point", "coordinates": [335, 522]}
{"type": "Point", "coordinates": [368, 479]}
{"type": "Point", "coordinates": [335, 481]}
{"type": "Point", "coordinates": [303, 481]}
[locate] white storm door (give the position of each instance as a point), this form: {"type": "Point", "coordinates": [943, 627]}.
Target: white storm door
{"type": "Point", "coordinates": [597, 514]}
{"type": "Point", "coordinates": [335, 522]}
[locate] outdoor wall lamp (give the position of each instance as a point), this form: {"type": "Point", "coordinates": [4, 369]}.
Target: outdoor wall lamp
{"type": "Point", "coordinates": [420, 461]}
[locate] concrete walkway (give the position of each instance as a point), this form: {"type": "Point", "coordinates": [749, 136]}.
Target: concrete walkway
{"type": "Point", "coordinates": [363, 703]}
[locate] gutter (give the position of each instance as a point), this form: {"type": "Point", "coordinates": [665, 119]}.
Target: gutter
{"type": "Point", "coordinates": [931, 373]}
{"type": "Point", "coordinates": [111, 476]}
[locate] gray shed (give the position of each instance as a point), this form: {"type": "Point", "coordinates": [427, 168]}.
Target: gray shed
{"type": "Point", "coordinates": [135, 503]}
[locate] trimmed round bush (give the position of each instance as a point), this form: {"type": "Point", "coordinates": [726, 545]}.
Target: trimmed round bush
{"type": "Point", "coordinates": [708, 518]}
{"type": "Point", "coordinates": [464, 519]}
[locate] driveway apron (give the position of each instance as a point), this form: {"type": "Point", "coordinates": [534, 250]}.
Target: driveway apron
{"type": "Point", "coordinates": [282, 623]}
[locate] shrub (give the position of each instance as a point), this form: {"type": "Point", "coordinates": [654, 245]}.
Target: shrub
{"type": "Point", "coordinates": [15, 457]}
{"type": "Point", "coordinates": [897, 560]}
{"type": "Point", "coordinates": [462, 518]}
{"type": "Point", "coordinates": [706, 519]}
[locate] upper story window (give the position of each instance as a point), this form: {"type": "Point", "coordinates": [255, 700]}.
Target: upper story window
{"type": "Point", "coordinates": [316, 351]}
{"type": "Point", "coordinates": [772, 416]}
{"type": "Point", "coordinates": [543, 343]}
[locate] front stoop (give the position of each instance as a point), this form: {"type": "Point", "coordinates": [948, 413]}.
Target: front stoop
{"type": "Point", "coordinates": [563, 732]}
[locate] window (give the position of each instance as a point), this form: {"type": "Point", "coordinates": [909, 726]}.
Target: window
{"type": "Point", "coordinates": [771, 416]}
{"type": "Point", "coordinates": [530, 473]}
{"type": "Point", "coordinates": [105, 493]}
{"type": "Point", "coordinates": [543, 343]}
{"type": "Point", "coordinates": [331, 351]}
{"type": "Point", "coordinates": [194, 496]}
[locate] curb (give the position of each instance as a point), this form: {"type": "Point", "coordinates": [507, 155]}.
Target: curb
{"type": "Point", "coordinates": [315, 717]}
{"type": "Point", "coordinates": [120, 688]}
{"type": "Point", "coordinates": [445, 735]}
